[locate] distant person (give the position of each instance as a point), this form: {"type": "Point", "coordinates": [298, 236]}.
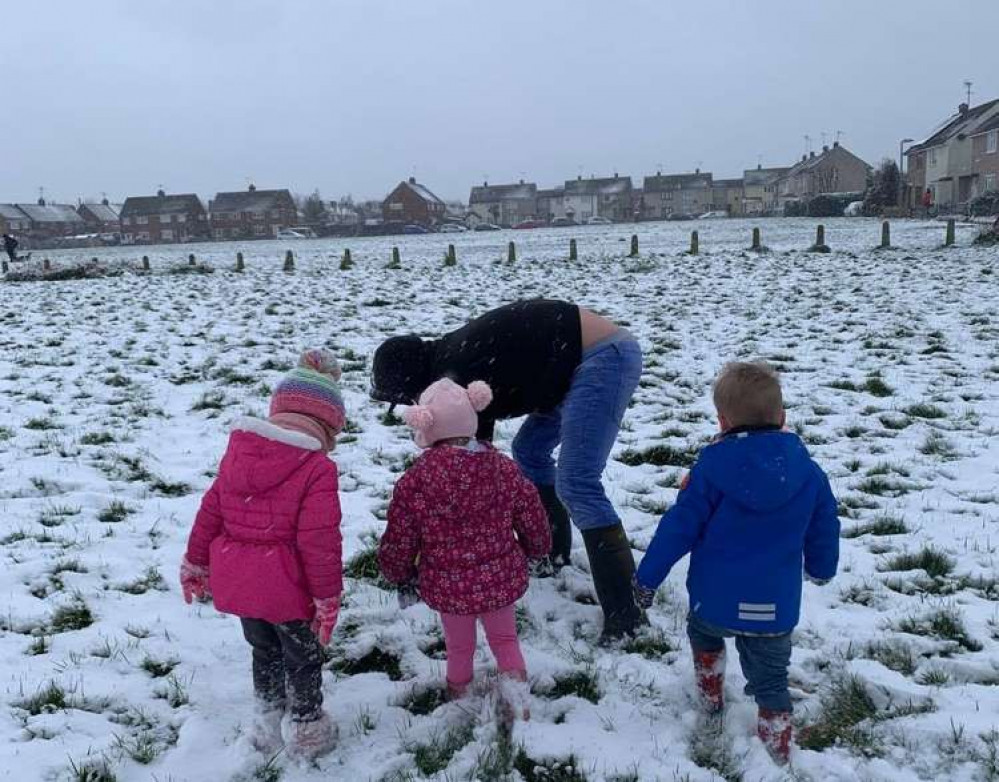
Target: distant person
{"type": "Point", "coordinates": [572, 373]}
{"type": "Point", "coordinates": [753, 512]}
{"type": "Point", "coordinates": [462, 524]}
{"type": "Point", "coordinates": [927, 202]}
{"type": "Point", "coordinates": [10, 245]}
{"type": "Point", "coordinates": [266, 547]}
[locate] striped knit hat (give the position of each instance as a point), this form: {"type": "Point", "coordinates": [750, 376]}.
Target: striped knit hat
{"type": "Point", "coordinates": [312, 389]}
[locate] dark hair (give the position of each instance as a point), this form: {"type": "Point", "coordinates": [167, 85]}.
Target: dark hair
{"type": "Point", "coordinates": [401, 370]}
{"type": "Point", "coordinates": [748, 393]}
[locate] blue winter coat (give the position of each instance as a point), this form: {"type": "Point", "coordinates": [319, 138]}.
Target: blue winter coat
{"type": "Point", "coordinates": [755, 507]}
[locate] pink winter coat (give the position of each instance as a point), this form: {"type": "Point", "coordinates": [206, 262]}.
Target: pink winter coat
{"type": "Point", "coordinates": [269, 527]}
{"type": "Point", "coordinates": [473, 520]}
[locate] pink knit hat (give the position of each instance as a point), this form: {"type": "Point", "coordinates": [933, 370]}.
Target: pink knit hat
{"type": "Point", "coordinates": [447, 410]}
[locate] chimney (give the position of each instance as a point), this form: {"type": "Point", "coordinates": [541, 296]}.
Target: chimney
{"type": "Point", "coordinates": [579, 177]}
{"type": "Point", "coordinates": [521, 181]}
{"type": "Point", "coordinates": [412, 180]}
{"type": "Point", "coordinates": [812, 153]}
{"type": "Point", "coordinates": [697, 171]}
{"type": "Point", "coordinates": [804, 158]}
{"type": "Point", "coordinates": [160, 193]}
{"type": "Point", "coordinates": [105, 202]}
{"type": "Point", "coordinates": [615, 174]}
{"type": "Point", "coordinates": [825, 148]}
{"type": "Point", "coordinates": [485, 183]}
{"type": "Point", "coordinates": [252, 188]}
{"type": "Point", "coordinates": [759, 166]}
{"type": "Point", "coordinates": [41, 201]}
{"type": "Point", "coordinates": [835, 145]}
{"type": "Point", "coordinates": [962, 109]}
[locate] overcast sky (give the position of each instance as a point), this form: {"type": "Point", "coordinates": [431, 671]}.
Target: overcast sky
{"type": "Point", "coordinates": [120, 96]}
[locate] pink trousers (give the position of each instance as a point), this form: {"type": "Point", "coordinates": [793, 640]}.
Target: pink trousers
{"type": "Point", "coordinates": [501, 634]}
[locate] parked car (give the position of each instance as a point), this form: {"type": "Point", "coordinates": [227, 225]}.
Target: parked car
{"type": "Point", "coordinates": [451, 228]}
{"type": "Point", "coordinates": [854, 209]}
{"type": "Point", "coordinates": [561, 222]}
{"type": "Point", "coordinates": [530, 224]}
{"type": "Point", "coordinates": [413, 228]}
{"type": "Point", "coordinates": [598, 220]}
{"type": "Point", "coordinates": [714, 215]}
{"type": "Point", "coordinates": [487, 227]}
{"type": "Point", "coordinates": [679, 216]}
{"type": "Point", "coordinates": [295, 233]}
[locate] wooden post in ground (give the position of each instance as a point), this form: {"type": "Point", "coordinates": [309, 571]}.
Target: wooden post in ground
{"type": "Point", "coordinates": [94, 260]}
{"type": "Point", "coordinates": [695, 243]}
{"type": "Point", "coordinates": [346, 262]}
{"type": "Point", "coordinates": [949, 241]}
{"type": "Point", "coordinates": [634, 246]}
{"type": "Point", "coordinates": [757, 244]}
{"type": "Point", "coordinates": [289, 261]}
{"type": "Point", "coordinates": [451, 259]}
{"type": "Point", "coordinates": [572, 250]}
{"type": "Point", "coordinates": [5, 267]}
{"type": "Point", "coordinates": [396, 262]}
{"type": "Point", "coordinates": [511, 253]}
{"type": "Point", "coordinates": [820, 245]}
{"type": "Point", "coordinates": [46, 264]}
{"type": "Point", "coordinates": [191, 260]}
{"type": "Point", "coordinates": [240, 263]}
{"type": "Point", "coordinates": [145, 263]}
{"type": "Point", "coordinates": [885, 235]}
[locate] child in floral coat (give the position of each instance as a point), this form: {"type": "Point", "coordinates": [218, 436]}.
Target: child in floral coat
{"type": "Point", "coordinates": [463, 523]}
{"type": "Point", "coordinates": [266, 547]}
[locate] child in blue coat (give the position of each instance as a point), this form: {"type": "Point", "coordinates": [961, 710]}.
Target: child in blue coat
{"type": "Point", "coordinates": [754, 512]}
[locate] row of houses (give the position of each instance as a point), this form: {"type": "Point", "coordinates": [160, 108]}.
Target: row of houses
{"type": "Point", "coordinates": [669, 196]}
{"type": "Point", "coordinates": [958, 162]}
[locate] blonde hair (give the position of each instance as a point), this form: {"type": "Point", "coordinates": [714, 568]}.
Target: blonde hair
{"type": "Point", "coordinates": [748, 393]}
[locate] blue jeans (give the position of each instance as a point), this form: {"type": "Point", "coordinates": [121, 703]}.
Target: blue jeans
{"type": "Point", "coordinates": [764, 660]}
{"type": "Point", "coordinates": [586, 424]}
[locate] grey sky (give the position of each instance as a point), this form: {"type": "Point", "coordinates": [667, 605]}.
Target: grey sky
{"type": "Point", "coordinates": [198, 95]}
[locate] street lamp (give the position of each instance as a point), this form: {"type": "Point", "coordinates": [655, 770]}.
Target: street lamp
{"type": "Point", "coordinates": [901, 167]}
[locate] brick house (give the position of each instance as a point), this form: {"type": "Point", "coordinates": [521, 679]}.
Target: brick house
{"type": "Point", "coordinates": [163, 218]}
{"type": "Point", "coordinates": [985, 156]}
{"type": "Point", "coordinates": [13, 220]}
{"type": "Point", "coordinates": [52, 221]}
{"type": "Point", "coordinates": [608, 197]}
{"type": "Point", "coordinates": [675, 195]}
{"type": "Point", "coordinates": [102, 217]}
{"type": "Point", "coordinates": [726, 196]}
{"type": "Point", "coordinates": [759, 189]}
{"type": "Point", "coordinates": [550, 204]}
{"type": "Point", "coordinates": [947, 163]}
{"type": "Point", "coordinates": [834, 170]}
{"type": "Point", "coordinates": [251, 213]}
{"type": "Point", "coordinates": [504, 205]}
{"type": "Point", "coordinates": [412, 202]}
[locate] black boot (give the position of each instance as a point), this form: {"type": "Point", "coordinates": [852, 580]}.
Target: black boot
{"type": "Point", "coordinates": [612, 567]}
{"type": "Point", "coordinates": [558, 520]}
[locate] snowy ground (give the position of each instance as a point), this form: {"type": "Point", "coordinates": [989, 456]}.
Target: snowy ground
{"type": "Point", "coordinates": [116, 395]}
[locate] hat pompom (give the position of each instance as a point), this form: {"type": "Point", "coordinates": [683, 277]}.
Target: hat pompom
{"type": "Point", "coordinates": [418, 417]}
{"type": "Point", "coordinates": [322, 361]}
{"type": "Point", "coordinates": [479, 395]}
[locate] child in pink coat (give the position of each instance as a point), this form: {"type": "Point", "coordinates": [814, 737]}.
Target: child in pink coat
{"type": "Point", "coordinates": [266, 547]}
{"type": "Point", "coordinates": [463, 523]}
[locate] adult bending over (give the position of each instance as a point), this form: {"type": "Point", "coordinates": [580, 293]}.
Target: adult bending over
{"type": "Point", "coordinates": [572, 373]}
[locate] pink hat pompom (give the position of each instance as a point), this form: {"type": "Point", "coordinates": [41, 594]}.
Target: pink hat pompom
{"type": "Point", "coordinates": [322, 361]}
{"type": "Point", "coordinates": [479, 395]}
{"type": "Point", "coordinates": [418, 417]}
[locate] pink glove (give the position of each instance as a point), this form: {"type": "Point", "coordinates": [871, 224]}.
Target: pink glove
{"type": "Point", "coordinates": [194, 581]}
{"type": "Point", "coordinates": [327, 610]}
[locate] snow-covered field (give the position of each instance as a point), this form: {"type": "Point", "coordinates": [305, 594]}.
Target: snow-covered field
{"type": "Point", "coordinates": [116, 398]}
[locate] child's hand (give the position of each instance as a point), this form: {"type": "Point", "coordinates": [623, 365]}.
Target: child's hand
{"type": "Point", "coordinates": [408, 596]}
{"type": "Point", "coordinates": [643, 595]}
{"type": "Point", "coordinates": [194, 581]}
{"type": "Point", "coordinates": [327, 611]}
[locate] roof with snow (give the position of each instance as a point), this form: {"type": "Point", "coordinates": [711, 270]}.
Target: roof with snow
{"type": "Point", "coordinates": [486, 193]}
{"type": "Point", "coordinates": [50, 213]}
{"type": "Point", "coordinates": [663, 182]}
{"type": "Point", "coordinates": [985, 127]}
{"type": "Point", "coordinates": [730, 183]}
{"type": "Point", "coordinates": [763, 176]}
{"type": "Point", "coordinates": [161, 204]}
{"type": "Point", "coordinates": [105, 213]}
{"type": "Point", "coordinates": [422, 191]}
{"type": "Point", "coordinates": [11, 212]}
{"type": "Point", "coordinates": [254, 201]}
{"type": "Point", "coordinates": [598, 186]}
{"type": "Point", "coordinates": [957, 123]}
{"type": "Point", "coordinates": [815, 160]}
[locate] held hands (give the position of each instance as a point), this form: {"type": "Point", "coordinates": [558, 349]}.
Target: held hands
{"type": "Point", "coordinates": [408, 596]}
{"type": "Point", "coordinates": [327, 611]}
{"type": "Point", "coordinates": [643, 595]}
{"type": "Point", "coordinates": [194, 581]}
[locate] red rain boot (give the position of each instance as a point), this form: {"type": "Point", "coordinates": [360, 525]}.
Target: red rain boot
{"type": "Point", "coordinates": [709, 672]}
{"type": "Point", "coordinates": [774, 730]}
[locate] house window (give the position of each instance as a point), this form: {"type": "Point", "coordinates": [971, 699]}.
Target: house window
{"type": "Point", "coordinates": [167, 235]}
{"type": "Point", "coordinates": [181, 218]}
{"type": "Point", "coordinates": [990, 182]}
{"type": "Point", "coordinates": [143, 220]}
{"type": "Point", "coordinates": [933, 157]}
{"type": "Point", "coordinates": [992, 141]}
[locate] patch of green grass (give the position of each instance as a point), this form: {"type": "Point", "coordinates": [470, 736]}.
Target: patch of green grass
{"type": "Point", "coordinates": [41, 424]}
{"type": "Point", "coordinates": [580, 683]}
{"type": "Point", "coordinates": [936, 444]}
{"type": "Point", "coordinates": [844, 708]}
{"type": "Point", "coordinates": [653, 644]}
{"type": "Point", "coordinates": [151, 579]}
{"type": "Point", "coordinates": [565, 769]}
{"type": "Point", "coordinates": [92, 770]}
{"type": "Point", "coordinates": [925, 410]}
{"type": "Point", "coordinates": [210, 400]}
{"type": "Point", "coordinates": [117, 511]}
{"type": "Point", "coordinates": [375, 661]}
{"type": "Point", "coordinates": [943, 623]}
{"type": "Point", "coordinates": [75, 615]}
{"type": "Point", "coordinates": [97, 438]}
{"type": "Point", "coordinates": [424, 700]}
{"type": "Point", "coordinates": [880, 525]}
{"type": "Point", "coordinates": [892, 654]}
{"type": "Point", "coordinates": [875, 386]}
{"type": "Point", "coordinates": [170, 488]}
{"type": "Point", "coordinates": [158, 668]}
{"type": "Point", "coordinates": [434, 756]}
{"type": "Point", "coordinates": [47, 700]}
{"type": "Point", "coordinates": [933, 562]}
{"type": "Point", "coordinates": [174, 692]}
{"type": "Point", "coordinates": [659, 456]}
